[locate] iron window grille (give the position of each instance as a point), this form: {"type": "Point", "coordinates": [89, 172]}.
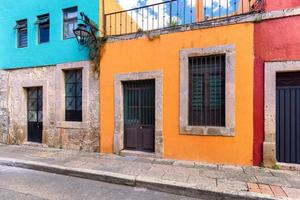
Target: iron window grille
{"type": "Point", "coordinates": [73, 95]}
{"type": "Point", "coordinates": [43, 23]}
{"type": "Point", "coordinates": [207, 91]}
{"type": "Point", "coordinates": [70, 22]}
{"type": "Point", "coordinates": [22, 36]}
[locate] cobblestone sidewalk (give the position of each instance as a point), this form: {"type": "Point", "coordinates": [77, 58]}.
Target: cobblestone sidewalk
{"type": "Point", "coordinates": [261, 182]}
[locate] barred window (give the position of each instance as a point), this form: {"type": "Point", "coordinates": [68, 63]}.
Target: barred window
{"type": "Point", "coordinates": [207, 91]}
{"type": "Point", "coordinates": [70, 22]}
{"type": "Point", "coordinates": [22, 37]}
{"type": "Point", "coordinates": [73, 86]}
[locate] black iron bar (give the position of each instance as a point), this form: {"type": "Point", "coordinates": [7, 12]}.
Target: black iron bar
{"type": "Point", "coordinates": [205, 9]}
{"type": "Point", "coordinates": [120, 23]}
{"type": "Point", "coordinates": [227, 8]}
{"type": "Point", "coordinates": [212, 9]}
{"type": "Point", "coordinates": [131, 22]}
{"type": "Point", "coordinates": [184, 7]}
{"type": "Point", "coordinates": [191, 11]}
{"type": "Point", "coordinates": [220, 7]}
{"type": "Point", "coordinates": [235, 8]}
{"type": "Point", "coordinates": [170, 13]}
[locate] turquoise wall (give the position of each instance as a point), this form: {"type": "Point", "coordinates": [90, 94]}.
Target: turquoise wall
{"type": "Point", "coordinates": [57, 50]}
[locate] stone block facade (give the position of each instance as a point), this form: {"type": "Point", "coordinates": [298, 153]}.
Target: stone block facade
{"type": "Point", "coordinates": [56, 131]}
{"type": "Point", "coordinates": [4, 114]}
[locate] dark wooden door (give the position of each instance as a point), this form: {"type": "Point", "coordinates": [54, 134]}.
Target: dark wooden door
{"type": "Point", "coordinates": [288, 117]}
{"type": "Point", "coordinates": [35, 114]}
{"type": "Point", "coordinates": [139, 115]}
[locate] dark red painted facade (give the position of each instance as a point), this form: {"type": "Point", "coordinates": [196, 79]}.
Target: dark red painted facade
{"type": "Point", "coordinates": [274, 40]}
{"type": "Point", "coordinates": [280, 4]}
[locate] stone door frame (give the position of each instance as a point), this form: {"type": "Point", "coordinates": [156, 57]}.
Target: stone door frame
{"type": "Point", "coordinates": [269, 145]}
{"type": "Point", "coordinates": [119, 108]}
{"type": "Point", "coordinates": [23, 114]}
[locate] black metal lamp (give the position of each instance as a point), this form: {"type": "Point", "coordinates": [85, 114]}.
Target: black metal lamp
{"type": "Point", "coordinates": [82, 34]}
{"type": "Point", "coordinates": [86, 32]}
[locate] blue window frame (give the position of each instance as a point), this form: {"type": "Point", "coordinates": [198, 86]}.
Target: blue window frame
{"type": "Point", "coordinates": [22, 35]}
{"type": "Point", "coordinates": [43, 23]}
{"type": "Point", "coordinates": [70, 22]}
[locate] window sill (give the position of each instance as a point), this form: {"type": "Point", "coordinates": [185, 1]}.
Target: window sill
{"type": "Point", "coordinates": [207, 131]}
{"type": "Point", "coordinates": [72, 125]}
{"type": "Point", "coordinates": [68, 38]}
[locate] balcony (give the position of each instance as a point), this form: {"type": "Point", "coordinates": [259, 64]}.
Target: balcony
{"type": "Point", "coordinates": [175, 13]}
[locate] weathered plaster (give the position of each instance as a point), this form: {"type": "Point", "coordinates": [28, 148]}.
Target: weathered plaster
{"type": "Point", "coordinates": [119, 108]}
{"type": "Point", "coordinates": [56, 132]}
{"type": "Point", "coordinates": [4, 112]}
{"type": "Point", "coordinates": [229, 129]}
{"type": "Point", "coordinates": [271, 68]}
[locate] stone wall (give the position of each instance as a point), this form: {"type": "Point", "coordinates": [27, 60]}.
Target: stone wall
{"type": "Point", "coordinates": [56, 132]}
{"type": "Point", "coordinates": [4, 113]}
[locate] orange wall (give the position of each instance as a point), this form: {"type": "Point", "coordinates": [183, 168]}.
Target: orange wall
{"type": "Point", "coordinates": [163, 54]}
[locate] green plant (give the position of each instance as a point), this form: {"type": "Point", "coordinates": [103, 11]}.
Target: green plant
{"type": "Point", "coordinates": [174, 23]}
{"type": "Point", "coordinates": [96, 50]}
{"type": "Point", "coordinates": [276, 167]}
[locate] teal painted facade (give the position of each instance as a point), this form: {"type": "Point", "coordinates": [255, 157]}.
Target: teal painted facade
{"type": "Point", "coordinates": [57, 50]}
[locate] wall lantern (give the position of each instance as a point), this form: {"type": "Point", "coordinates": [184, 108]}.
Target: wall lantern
{"type": "Point", "coordinates": [86, 32]}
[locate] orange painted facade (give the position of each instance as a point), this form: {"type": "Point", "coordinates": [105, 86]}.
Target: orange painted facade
{"type": "Point", "coordinates": [140, 55]}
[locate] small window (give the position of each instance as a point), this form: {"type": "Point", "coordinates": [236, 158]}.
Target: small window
{"type": "Point", "coordinates": [43, 23]}
{"type": "Point", "coordinates": [70, 22]}
{"type": "Point", "coordinates": [22, 37]}
{"type": "Point", "coordinates": [73, 93]}
{"type": "Point", "coordinates": [207, 91]}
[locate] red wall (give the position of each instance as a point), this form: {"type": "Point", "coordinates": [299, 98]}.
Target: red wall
{"type": "Point", "coordinates": [281, 4]}
{"type": "Point", "coordinates": [274, 40]}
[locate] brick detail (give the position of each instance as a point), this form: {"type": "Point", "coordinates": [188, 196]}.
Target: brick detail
{"type": "Point", "coordinates": [278, 191]}
{"type": "Point", "coordinates": [253, 187]}
{"type": "Point", "coordinates": [265, 189]}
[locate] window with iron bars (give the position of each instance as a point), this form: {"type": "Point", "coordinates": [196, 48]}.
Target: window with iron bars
{"type": "Point", "coordinates": [73, 93]}
{"type": "Point", "coordinates": [22, 37]}
{"type": "Point", "coordinates": [207, 91]}
{"type": "Point", "coordinates": [70, 22]}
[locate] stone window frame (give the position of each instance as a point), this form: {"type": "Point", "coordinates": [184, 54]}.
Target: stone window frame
{"type": "Point", "coordinates": [24, 85]}
{"type": "Point", "coordinates": [229, 129]}
{"type": "Point", "coordinates": [271, 69]}
{"type": "Point", "coordinates": [119, 108]}
{"type": "Point", "coordinates": [60, 91]}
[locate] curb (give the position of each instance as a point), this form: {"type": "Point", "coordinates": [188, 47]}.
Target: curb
{"type": "Point", "coordinates": [172, 187]}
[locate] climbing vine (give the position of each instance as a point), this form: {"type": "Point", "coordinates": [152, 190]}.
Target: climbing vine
{"type": "Point", "coordinates": [96, 50]}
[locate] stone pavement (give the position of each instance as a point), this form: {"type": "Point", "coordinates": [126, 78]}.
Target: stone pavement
{"type": "Point", "coordinates": [179, 177]}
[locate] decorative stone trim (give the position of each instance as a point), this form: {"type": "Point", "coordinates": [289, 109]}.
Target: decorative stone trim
{"type": "Point", "coordinates": [119, 108]}
{"type": "Point", "coordinates": [22, 101]}
{"type": "Point", "coordinates": [60, 101]}
{"type": "Point", "coordinates": [271, 68]}
{"type": "Point", "coordinates": [229, 129]}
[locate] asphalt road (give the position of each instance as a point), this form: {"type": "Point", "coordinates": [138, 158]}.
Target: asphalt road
{"type": "Point", "coordinates": [23, 184]}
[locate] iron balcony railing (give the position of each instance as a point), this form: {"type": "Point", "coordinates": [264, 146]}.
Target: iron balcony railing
{"type": "Point", "coordinates": [172, 13]}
